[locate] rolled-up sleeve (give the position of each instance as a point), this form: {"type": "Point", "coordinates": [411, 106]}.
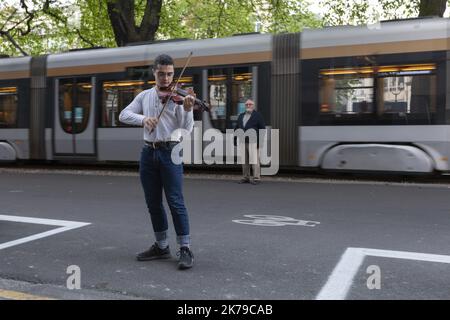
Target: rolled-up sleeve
{"type": "Point", "coordinates": [133, 113]}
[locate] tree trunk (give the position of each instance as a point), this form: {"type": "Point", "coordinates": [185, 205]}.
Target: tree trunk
{"type": "Point", "coordinates": [432, 8]}
{"type": "Point", "coordinates": [122, 16]}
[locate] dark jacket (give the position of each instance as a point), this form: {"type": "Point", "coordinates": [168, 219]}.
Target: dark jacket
{"type": "Point", "coordinates": [255, 122]}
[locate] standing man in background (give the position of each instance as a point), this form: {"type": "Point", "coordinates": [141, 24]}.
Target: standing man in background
{"type": "Point", "coordinates": [251, 119]}
{"type": "Point", "coordinates": [157, 170]}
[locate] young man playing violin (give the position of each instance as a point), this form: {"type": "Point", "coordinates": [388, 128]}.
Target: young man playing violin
{"type": "Point", "coordinates": [157, 170]}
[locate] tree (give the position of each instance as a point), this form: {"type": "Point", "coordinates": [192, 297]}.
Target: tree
{"type": "Point", "coordinates": [289, 16]}
{"type": "Point", "coordinates": [33, 27]}
{"type": "Point", "coordinates": [59, 25]}
{"type": "Point", "coordinates": [16, 23]}
{"type": "Point", "coordinates": [5, 31]}
{"type": "Point", "coordinates": [206, 19]}
{"type": "Point", "coordinates": [361, 12]}
{"type": "Point", "coordinates": [219, 18]}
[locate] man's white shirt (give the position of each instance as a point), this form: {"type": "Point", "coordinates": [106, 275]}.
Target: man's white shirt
{"type": "Point", "coordinates": [148, 104]}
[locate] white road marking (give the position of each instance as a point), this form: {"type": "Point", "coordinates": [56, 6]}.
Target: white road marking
{"type": "Point", "coordinates": [275, 221]}
{"type": "Point", "coordinates": [63, 224]}
{"type": "Point", "coordinates": [341, 279]}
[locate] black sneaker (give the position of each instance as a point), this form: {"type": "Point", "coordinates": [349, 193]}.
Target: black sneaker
{"type": "Point", "coordinates": [255, 182]}
{"type": "Point", "coordinates": [186, 258]}
{"type": "Point", "coordinates": [154, 253]}
{"type": "Point", "coordinates": [243, 180]}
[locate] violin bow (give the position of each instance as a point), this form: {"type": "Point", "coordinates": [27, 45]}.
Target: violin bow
{"type": "Point", "coordinates": [174, 87]}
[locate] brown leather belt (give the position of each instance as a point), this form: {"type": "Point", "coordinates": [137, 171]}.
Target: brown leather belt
{"type": "Point", "coordinates": [161, 144]}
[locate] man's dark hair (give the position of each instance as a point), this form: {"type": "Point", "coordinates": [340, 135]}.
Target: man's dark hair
{"type": "Point", "coordinates": [162, 60]}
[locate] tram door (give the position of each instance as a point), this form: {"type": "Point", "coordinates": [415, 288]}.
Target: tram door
{"type": "Point", "coordinates": [74, 117]}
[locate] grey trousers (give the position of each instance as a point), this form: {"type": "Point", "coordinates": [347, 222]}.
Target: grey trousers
{"type": "Point", "coordinates": [251, 162]}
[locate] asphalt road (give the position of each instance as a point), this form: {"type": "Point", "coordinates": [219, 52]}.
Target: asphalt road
{"type": "Point", "coordinates": [297, 257]}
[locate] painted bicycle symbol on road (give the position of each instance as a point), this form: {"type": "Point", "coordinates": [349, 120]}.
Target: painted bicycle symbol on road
{"type": "Point", "coordinates": [275, 221]}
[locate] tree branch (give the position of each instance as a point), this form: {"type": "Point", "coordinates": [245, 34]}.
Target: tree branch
{"type": "Point", "coordinates": [219, 18]}
{"type": "Point", "coordinates": [8, 36]}
{"type": "Point", "coordinates": [29, 16]}
{"type": "Point", "coordinates": [47, 10]}
{"type": "Point", "coordinates": [9, 18]}
{"type": "Point", "coordinates": [84, 39]}
{"type": "Point", "coordinates": [150, 22]}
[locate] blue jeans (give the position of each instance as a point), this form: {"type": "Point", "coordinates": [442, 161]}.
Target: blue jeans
{"type": "Point", "coordinates": [158, 172]}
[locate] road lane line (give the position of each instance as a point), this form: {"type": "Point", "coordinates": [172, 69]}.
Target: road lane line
{"type": "Point", "coordinates": [50, 222]}
{"type": "Point", "coordinates": [418, 256]}
{"type": "Point", "coordinates": [63, 224]}
{"type": "Point", "coordinates": [341, 279]}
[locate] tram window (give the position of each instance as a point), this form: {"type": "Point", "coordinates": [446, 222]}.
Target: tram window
{"type": "Point", "coordinates": [8, 107]}
{"type": "Point", "coordinates": [240, 92]}
{"type": "Point", "coordinates": [217, 88]}
{"type": "Point", "coordinates": [346, 95]}
{"type": "Point", "coordinates": [74, 104]}
{"type": "Point", "coordinates": [405, 94]}
{"type": "Point", "coordinates": [117, 95]}
{"type": "Point", "coordinates": [228, 89]}
{"type": "Point", "coordinates": [408, 94]}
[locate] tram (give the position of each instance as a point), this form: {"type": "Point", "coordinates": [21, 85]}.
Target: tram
{"type": "Point", "coordinates": [356, 98]}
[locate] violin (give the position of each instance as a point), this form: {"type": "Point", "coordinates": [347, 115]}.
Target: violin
{"type": "Point", "coordinates": [177, 96]}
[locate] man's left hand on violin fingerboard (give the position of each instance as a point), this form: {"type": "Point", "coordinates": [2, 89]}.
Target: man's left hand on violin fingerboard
{"type": "Point", "coordinates": [188, 103]}
{"type": "Point", "coordinates": [189, 100]}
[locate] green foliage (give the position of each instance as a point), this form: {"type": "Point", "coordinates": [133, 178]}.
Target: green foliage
{"type": "Point", "coordinates": [219, 18]}
{"type": "Point", "coordinates": [67, 24]}
{"type": "Point", "coordinates": [357, 12]}
{"type": "Point", "coordinates": [290, 16]}
{"type": "Point", "coordinates": [206, 19]}
{"type": "Point", "coordinates": [347, 12]}
{"type": "Point", "coordinates": [29, 28]}
{"type": "Point", "coordinates": [94, 26]}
